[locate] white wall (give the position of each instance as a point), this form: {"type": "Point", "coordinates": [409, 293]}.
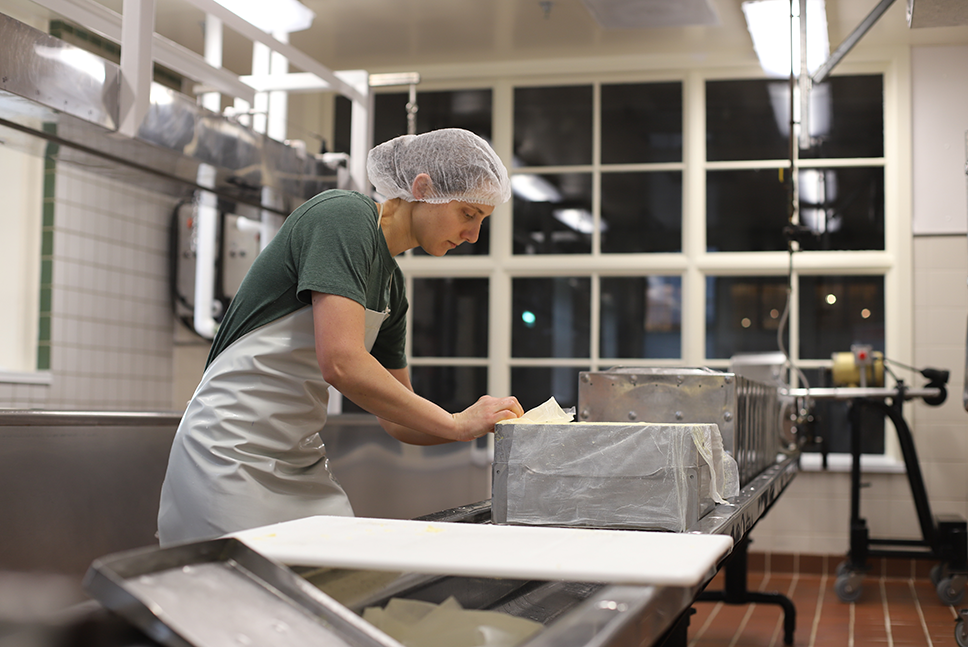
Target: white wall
{"type": "Point", "coordinates": [111, 332]}
{"type": "Point", "coordinates": [940, 142]}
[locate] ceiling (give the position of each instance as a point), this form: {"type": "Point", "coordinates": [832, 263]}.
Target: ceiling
{"type": "Point", "coordinates": [407, 35]}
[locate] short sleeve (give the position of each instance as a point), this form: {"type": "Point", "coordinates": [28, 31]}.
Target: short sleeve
{"type": "Point", "coordinates": [333, 247]}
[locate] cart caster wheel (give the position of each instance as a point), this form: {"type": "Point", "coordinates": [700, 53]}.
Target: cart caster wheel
{"type": "Point", "coordinates": [961, 633]}
{"type": "Point", "coordinates": [938, 572]}
{"type": "Point", "coordinates": [849, 587]}
{"type": "Point", "coordinates": [951, 590]}
{"type": "Point", "coordinates": [843, 568]}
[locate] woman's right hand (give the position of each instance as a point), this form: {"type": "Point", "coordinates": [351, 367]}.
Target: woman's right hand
{"type": "Point", "coordinates": [479, 418]}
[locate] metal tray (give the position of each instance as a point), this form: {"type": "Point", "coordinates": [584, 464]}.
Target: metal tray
{"type": "Point", "coordinates": [221, 593]}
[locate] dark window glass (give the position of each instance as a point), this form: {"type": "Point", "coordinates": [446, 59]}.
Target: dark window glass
{"type": "Point", "coordinates": [449, 317]}
{"type": "Point", "coordinates": [641, 316]}
{"type": "Point", "coordinates": [743, 314]}
{"type": "Point", "coordinates": [454, 388]}
{"type": "Point", "coordinates": [747, 120]}
{"type": "Point", "coordinates": [534, 385]}
{"type": "Point", "coordinates": [642, 122]}
{"type": "Point", "coordinates": [843, 208]}
{"type": "Point", "coordinates": [746, 211]}
{"type": "Point", "coordinates": [553, 125]}
{"type": "Point", "coordinates": [642, 212]}
{"type": "Point", "coordinates": [551, 317]}
{"type": "Point", "coordinates": [469, 109]}
{"type": "Point", "coordinates": [846, 117]}
{"type": "Point", "coordinates": [832, 424]}
{"type": "Point", "coordinates": [837, 311]}
{"type": "Point", "coordinates": [552, 213]}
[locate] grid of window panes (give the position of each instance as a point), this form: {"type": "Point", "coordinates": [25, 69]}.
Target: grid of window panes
{"type": "Point", "coordinates": [598, 176]}
{"type": "Point", "coordinates": [840, 207]}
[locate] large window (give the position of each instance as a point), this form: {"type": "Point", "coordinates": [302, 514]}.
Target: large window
{"type": "Point", "coordinates": [641, 235]}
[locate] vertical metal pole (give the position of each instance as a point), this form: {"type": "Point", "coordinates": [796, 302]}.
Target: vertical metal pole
{"type": "Point", "coordinates": [361, 128]}
{"type": "Point", "coordinates": [137, 35]}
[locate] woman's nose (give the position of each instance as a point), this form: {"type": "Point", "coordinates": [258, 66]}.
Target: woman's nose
{"type": "Point", "coordinates": [472, 232]}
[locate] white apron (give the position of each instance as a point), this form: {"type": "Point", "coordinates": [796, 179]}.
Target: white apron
{"type": "Point", "coordinates": [247, 452]}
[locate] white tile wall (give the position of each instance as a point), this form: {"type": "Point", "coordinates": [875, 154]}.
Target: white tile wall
{"type": "Point", "coordinates": [812, 516]}
{"type": "Point", "coordinates": [111, 333]}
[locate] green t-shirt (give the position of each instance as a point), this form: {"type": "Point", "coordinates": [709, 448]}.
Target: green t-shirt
{"type": "Point", "coordinates": [332, 244]}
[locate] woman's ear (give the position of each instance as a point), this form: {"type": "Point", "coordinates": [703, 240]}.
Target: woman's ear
{"type": "Point", "coordinates": [421, 187]}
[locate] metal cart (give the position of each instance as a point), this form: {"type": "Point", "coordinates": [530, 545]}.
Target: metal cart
{"type": "Point", "coordinates": [943, 537]}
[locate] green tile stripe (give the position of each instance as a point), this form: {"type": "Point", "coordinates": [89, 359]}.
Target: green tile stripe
{"type": "Point", "coordinates": [47, 254]}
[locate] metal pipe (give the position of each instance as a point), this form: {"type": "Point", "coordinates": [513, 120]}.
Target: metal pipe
{"type": "Point", "coordinates": [849, 393]}
{"type": "Point", "coordinates": [849, 42]}
{"type": "Point", "coordinates": [53, 418]}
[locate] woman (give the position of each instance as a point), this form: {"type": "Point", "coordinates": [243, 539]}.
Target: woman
{"type": "Point", "coordinates": [324, 305]}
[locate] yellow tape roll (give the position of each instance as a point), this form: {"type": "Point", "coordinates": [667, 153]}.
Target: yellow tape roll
{"type": "Point", "coordinates": [847, 373]}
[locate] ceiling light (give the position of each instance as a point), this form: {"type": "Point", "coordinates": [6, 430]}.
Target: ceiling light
{"type": "Point", "coordinates": [769, 23]}
{"type": "Point", "coordinates": [286, 16]}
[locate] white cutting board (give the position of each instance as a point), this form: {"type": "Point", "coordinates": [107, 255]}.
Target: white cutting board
{"type": "Point", "coordinates": [484, 550]}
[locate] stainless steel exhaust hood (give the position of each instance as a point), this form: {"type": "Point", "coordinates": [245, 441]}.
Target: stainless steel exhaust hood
{"type": "Point", "coordinates": [54, 93]}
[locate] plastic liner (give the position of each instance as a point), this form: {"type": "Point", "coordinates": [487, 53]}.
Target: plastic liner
{"type": "Point", "coordinates": [610, 475]}
{"type": "Point", "coordinates": [423, 624]}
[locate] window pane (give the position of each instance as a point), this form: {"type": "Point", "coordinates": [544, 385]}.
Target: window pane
{"type": "Point", "coordinates": [837, 311]}
{"type": "Point", "coordinates": [846, 117]}
{"type": "Point", "coordinates": [747, 120]}
{"type": "Point", "coordinates": [469, 109]}
{"type": "Point", "coordinates": [743, 314]}
{"type": "Point", "coordinates": [844, 207]}
{"type": "Point", "coordinates": [551, 317]}
{"type": "Point", "coordinates": [454, 388]}
{"type": "Point", "coordinates": [642, 122]}
{"type": "Point", "coordinates": [534, 385]}
{"type": "Point", "coordinates": [834, 426]}
{"type": "Point", "coordinates": [553, 125]}
{"type": "Point", "coordinates": [552, 213]}
{"type": "Point", "coordinates": [746, 211]}
{"type": "Point", "coordinates": [642, 212]}
{"type": "Point", "coordinates": [641, 316]}
{"type": "Point", "coordinates": [449, 317]}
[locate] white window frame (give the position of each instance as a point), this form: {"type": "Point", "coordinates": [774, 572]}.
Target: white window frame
{"type": "Point", "coordinates": [501, 266]}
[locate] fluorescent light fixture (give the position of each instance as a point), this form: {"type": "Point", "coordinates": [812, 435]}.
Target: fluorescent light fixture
{"type": "Point", "coordinates": [769, 24]}
{"type": "Point", "coordinates": [286, 16]}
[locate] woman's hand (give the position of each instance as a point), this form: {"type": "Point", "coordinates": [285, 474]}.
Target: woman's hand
{"type": "Point", "coordinates": [479, 418]}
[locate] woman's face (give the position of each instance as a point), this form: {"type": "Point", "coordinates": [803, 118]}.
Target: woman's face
{"type": "Point", "coordinates": [439, 228]}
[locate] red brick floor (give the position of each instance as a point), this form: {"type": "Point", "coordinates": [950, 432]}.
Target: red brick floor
{"type": "Point", "coordinates": [894, 610]}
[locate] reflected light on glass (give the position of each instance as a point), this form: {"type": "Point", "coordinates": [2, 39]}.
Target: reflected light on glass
{"type": "Point", "coordinates": [865, 313]}
{"type": "Point", "coordinates": [774, 313]}
{"type": "Point", "coordinates": [86, 63]}
{"type": "Point", "coordinates": [580, 220]}
{"type": "Point", "coordinates": [286, 16]}
{"type": "Point", "coordinates": [534, 188]}
{"type": "Point", "coordinates": [746, 323]}
{"type": "Point", "coordinates": [831, 299]}
{"type": "Point", "coordinates": [528, 318]}
{"type": "Point", "coordinates": [769, 25]}
{"type": "Point", "coordinates": [818, 188]}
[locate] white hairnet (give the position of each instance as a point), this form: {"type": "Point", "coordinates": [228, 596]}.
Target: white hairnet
{"type": "Point", "coordinates": [461, 166]}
